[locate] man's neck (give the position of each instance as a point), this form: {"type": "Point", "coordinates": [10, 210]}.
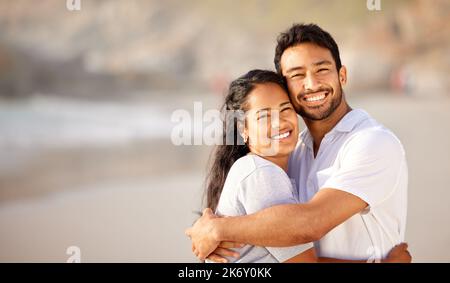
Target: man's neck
{"type": "Point", "coordinates": [318, 129]}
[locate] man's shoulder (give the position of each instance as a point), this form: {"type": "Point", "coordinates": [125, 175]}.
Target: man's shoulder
{"type": "Point", "coordinates": [369, 130]}
{"type": "Point", "coordinates": [375, 138]}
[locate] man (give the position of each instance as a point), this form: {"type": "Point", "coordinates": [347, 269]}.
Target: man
{"type": "Point", "coordinates": [350, 171]}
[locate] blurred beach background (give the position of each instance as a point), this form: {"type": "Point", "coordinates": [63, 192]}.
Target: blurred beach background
{"type": "Point", "coordinates": [86, 99]}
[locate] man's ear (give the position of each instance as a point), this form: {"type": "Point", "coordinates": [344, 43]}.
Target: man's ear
{"type": "Point", "coordinates": [343, 75]}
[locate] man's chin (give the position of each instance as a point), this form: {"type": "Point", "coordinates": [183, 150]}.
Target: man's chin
{"type": "Point", "coordinates": [315, 114]}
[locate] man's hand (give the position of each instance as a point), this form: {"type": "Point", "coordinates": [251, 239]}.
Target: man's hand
{"type": "Point", "coordinates": [399, 254]}
{"type": "Point", "coordinates": [204, 235]}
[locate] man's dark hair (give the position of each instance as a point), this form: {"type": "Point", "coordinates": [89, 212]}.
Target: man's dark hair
{"type": "Point", "coordinates": [302, 33]}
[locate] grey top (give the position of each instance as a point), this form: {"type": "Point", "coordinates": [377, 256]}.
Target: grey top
{"type": "Point", "coordinates": [253, 184]}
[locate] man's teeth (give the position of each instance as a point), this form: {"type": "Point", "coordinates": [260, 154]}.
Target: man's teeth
{"type": "Point", "coordinates": [315, 98]}
{"type": "Point", "coordinates": [281, 136]}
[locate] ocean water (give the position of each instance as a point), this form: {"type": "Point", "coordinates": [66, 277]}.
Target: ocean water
{"type": "Point", "coordinates": [45, 121]}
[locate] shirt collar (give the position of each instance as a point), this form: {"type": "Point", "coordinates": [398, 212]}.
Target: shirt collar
{"type": "Point", "coordinates": [345, 125]}
{"type": "Point", "coordinates": [350, 120]}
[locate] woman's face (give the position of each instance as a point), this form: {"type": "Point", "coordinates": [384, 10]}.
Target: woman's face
{"type": "Point", "coordinates": [271, 123]}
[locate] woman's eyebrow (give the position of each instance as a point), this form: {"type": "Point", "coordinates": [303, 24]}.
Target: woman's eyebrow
{"type": "Point", "coordinates": [268, 108]}
{"type": "Point", "coordinates": [263, 109]}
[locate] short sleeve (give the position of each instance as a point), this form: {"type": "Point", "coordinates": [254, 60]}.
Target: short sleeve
{"type": "Point", "coordinates": [265, 187]}
{"type": "Point", "coordinates": [370, 166]}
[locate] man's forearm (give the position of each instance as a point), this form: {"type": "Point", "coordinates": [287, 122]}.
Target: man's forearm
{"type": "Point", "coordinates": [277, 226]}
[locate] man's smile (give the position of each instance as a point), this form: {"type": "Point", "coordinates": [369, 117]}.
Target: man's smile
{"type": "Point", "coordinates": [315, 98]}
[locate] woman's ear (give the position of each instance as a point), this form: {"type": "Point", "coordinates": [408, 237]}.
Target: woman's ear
{"type": "Point", "coordinates": [243, 131]}
{"type": "Point", "coordinates": [245, 137]}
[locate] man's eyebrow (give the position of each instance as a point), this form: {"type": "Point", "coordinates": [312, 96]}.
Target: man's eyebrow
{"type": "Point", "coordinates": [323, 62]}
{"type": "Point", "coordinates": [295, 69]}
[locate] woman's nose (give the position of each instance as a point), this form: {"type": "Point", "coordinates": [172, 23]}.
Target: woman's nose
{"type": "Point", "coordinates": [275, 120]}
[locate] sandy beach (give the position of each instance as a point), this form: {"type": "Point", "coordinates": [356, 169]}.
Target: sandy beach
{"type": "Point", "coordinates": [132, 202]}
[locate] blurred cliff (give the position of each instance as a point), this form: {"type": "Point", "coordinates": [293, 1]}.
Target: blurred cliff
{"type": "Point", "coordinates": [110, 47]}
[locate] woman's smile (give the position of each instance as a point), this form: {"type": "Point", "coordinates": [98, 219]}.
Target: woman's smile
{"type": "Point", "coordinates": [282, 136]}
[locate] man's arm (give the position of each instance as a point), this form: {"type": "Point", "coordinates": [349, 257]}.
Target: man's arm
{"type": "Point", "coordinates": [277, 226]}
{"type": "Point", "coordinates": [398, 254]}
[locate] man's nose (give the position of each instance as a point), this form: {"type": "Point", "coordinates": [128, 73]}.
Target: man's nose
{"type": "Point", "coordinates": [310, 82]}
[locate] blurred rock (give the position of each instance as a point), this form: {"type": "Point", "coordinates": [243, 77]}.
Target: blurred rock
{"type": "Point", "coordinates": [112, 46]}
{"type": "Point", "coordinates": [405, 50]}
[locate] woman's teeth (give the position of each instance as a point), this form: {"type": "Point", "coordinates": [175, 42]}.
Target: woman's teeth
{"type": "Point", "coordinates": [281, 136]}
{"type": "Point", "coordinates": [315, 98]}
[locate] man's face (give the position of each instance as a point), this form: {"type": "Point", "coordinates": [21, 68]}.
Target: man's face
{"type": "Point", "coordinates": [314, 83]}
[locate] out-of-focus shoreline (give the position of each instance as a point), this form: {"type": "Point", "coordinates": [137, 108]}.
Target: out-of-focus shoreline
{"type": "Point", "coordinates": [148, 191]}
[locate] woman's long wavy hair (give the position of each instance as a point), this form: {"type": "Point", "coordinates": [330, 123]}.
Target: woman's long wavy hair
{"type": "Point", "coordinates": [233, 146]}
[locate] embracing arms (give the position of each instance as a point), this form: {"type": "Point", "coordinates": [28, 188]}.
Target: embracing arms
{"type": "Point", "coordinates": [277, 226]}
{"type": "Point", "coordinates": [371, 165]}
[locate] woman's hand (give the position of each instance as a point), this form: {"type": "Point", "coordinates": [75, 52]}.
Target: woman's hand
{"type": "Point", "coordinates": [223, 250]}
{"type": "Point", "coordinates": [398, 254]}
{"type": "Point", "coordinates": [203, 235]}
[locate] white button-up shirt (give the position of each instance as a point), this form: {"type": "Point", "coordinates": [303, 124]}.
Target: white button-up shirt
{"type": "Point", "coordinates": [361, 157]}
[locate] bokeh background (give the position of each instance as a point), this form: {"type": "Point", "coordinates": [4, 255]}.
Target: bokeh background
{"type": "Point", "coordinates": [86, 99]}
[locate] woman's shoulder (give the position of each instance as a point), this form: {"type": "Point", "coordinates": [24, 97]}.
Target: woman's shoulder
{"type": "Point", "coordinates": [254, 183]}
{"type": "Point", "coordinates": [263, 186]}
{"type": "Point", "coordinates": [253, 164]}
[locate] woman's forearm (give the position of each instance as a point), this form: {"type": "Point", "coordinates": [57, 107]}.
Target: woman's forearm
{"type": "Point", "coordinates": [277, 226]}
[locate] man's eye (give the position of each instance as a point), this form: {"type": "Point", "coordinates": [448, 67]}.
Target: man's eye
{"type": "Point", "coordinates": [323, 70]}
{"type": "Point", "coordinates": [297, 76]}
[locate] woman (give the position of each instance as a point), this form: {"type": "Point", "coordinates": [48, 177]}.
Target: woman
{"type": "Point", "coordinates": [248, 172]}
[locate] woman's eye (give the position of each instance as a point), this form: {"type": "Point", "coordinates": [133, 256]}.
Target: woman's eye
{"type": "Point", "coordinates": [286, 109]}
{"type": "Point", "coordinates": [262, 116]}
